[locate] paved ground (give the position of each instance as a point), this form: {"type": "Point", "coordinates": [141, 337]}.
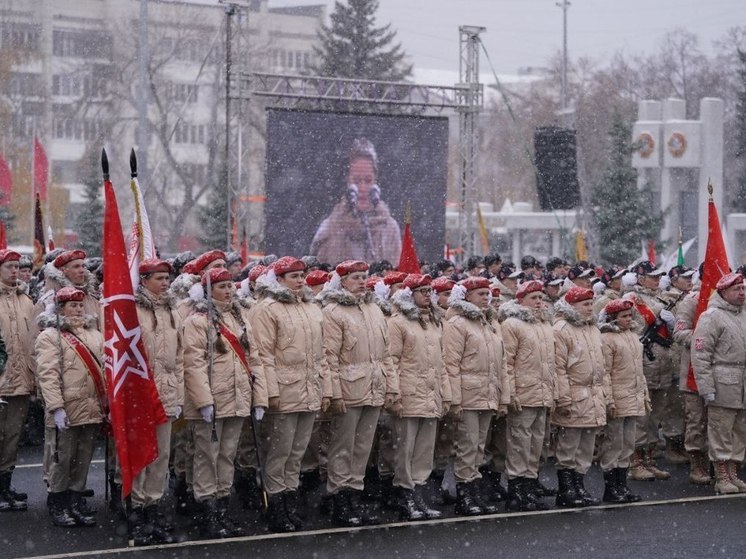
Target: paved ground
{"type": "Point", "coordinates": [676, 520]}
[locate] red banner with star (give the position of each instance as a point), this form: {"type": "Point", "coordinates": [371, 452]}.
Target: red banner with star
{"type": "Point", "coordinates": [136, 408]}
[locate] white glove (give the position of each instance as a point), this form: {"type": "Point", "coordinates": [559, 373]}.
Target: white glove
{"type": "Point", "coordinates": [207, 413]}
{"type": "Point", "coordinates": [708, 398]}
{"type": "Point", "coordinates": [629, 279]}
{"type": "Point", "coordinates": [669, 318]}
{"type": "Point", "coordinates": [664, 283]}
{"type": "Point", "coordinates": [60, 419]}
{"type": "Point", "coordinates": [258, 414]}
{"type": "Point", "coordinates": [599, 287]}
{"type": "Point", "coordinates": [177, 415]}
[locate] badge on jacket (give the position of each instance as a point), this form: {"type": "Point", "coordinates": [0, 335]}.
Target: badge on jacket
{"type": "Point", "coordinates": [699, 344]}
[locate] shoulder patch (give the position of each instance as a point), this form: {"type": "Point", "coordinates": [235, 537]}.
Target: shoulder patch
{"type": "Point", "coordinates": [699, 344]}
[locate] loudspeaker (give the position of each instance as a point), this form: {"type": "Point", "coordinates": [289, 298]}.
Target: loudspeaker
{"type": "Point", "coordinates": [556, 164]}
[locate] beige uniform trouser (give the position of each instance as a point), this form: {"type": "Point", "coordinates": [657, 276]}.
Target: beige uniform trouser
{"type": "Point", "coordinates": [618, 443]}
{"type": "Point", "coordinates": [349, 448]}
{"type": "Point", "coordinates": [471, 436]}
{"type": "Point", "coordinates": [444, 442]}
{"type": "Point", "coordinates": [414, 449]}
{"type": "Point", "coordinates": [12, 419]}
{"type": "Point", "coordinates": [213, 461]}
{"type": "Point", "coordinates": [74, 453]}
{"type": "Point", "coordinates": [183, 450]}
{"type": "Point", "coordinates": [575, 448]}
{"type": "Point", "coordinates": [148, 486]}
{"type": "Point", "coordinates": [726, 433]}
{"type": "Point", "coordinates": [672, 420]}
{"type": "Point", "coordinates": [317, 453]}
{"type": "Point", "coordinates": [288, 439]}
{"type": "Point", "coordinates": [496, 447]}
{"type": "Point", "coordinates": [695, 418]}
{"type": "Point", "coordinates": [647, 425]}
{"type": "Point", "coordinates": [525, 440]}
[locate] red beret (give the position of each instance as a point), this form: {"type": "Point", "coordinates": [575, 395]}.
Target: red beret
{"type": "Point", "coordinates": [371, 282]}
{"type": "Point", "coordinates": [199, 264]}
{"type": "Point", "coordinates": [68, 256]}
{"type": "Point", "coordinates": [442, 284]}
{"type": "Point", "coordinates": [394, 277]}
{"type": "Point", "coordinates": [350, 266]}
{"type": "Point", "coordinates": [287, 264]}
{"type": "Point", "coordinates": [475, 282]}
{"type": "Point", "coordinates": [618, 305]}
{"type": "Point", "coordinates": [527, 287]}
{"type": "Point", "coordinates": [66, 294]}
{"type": "Point", "coordinates": [217, 275]}
{"type": "Point", "coordinates": [188, 268]}
{"type": "Point", "coordinates": [729, 280]}
{"type": "Point", "coordinates": [415, 281]}
{"type": "Point", "coordinates": [578, 294]}
{"type": "Point", "coordinates": [317, 277]}
{"type": "Point", "coordinates": [152, 265]}
{"type": "Point", "coordinates": [7, 255]}
{"type": "Point", "coordinates": [494, 290]}
{"type": "Point", "coordinates": [257, 271]}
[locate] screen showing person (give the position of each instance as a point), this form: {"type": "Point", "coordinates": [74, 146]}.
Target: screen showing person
{"type": "Point", "coordinates": [360, 226]}
{"type": "Point", "coordinates": [338, 184]}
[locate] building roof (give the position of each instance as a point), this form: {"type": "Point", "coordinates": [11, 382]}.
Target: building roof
{"type": "Point", "coordinates": [315, 10]}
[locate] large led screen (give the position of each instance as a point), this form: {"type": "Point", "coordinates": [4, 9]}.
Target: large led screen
{"type": "Point", "coordinates": [338, 185]}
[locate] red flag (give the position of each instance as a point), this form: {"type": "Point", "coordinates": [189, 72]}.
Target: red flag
{"type": "Point", "coordinates": [651, 251]}
{"type": "Point", "coordinates": [136, 409]}
{"type": "Point", "coordinates": [408, 261]}
{"type": "Point", "coordinates": [244, 249]}
{"type": "Point", "coordinates": [3, 236]}
{"type": "Point", "coordinates": [41, 170]}
{"type": "Point", "coordinates": [39, 251]}
{"type": "Point", "coordinates": [6, 183]}
{"type": "Point", "coordinates": [715, 267]}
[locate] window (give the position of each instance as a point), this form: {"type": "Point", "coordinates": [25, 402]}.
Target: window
{"type": "Point", "coordinates": [21, 36]}
{"type": "Point", "coordinates": [81, 43]}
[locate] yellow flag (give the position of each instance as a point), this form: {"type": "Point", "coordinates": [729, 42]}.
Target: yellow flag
{"type": "Point", "coordinates": [581, 253]}
{"type": "Point", "coordinates": [483, 236]}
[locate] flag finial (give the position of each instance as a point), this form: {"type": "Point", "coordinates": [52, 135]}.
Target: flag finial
{"type": "Point", "coordinates": [408, 213]}
{"type": "Point", "coordinates": [709, 188]}
{"type": "Point", "coordinates": [105, 164]}
{"type": "Point", "coordinates": [133, 163]}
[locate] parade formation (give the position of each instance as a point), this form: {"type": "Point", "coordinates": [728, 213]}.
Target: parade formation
{"type": "Point", "coordinates": [289, 374]}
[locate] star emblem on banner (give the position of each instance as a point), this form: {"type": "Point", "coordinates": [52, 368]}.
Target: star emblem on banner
{"type": "Point", "coordinates": [126, 357]}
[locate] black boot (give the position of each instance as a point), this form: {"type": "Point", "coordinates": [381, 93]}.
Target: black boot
{"type": "Point", "coordinates": [578, 483]}
{"type": "Point", "coordinates": [534, 492]}
{"type": "Point", "coordinates": [368, 516]}
{"type": "Point", "coordinates": [517, 498]}
{"type": "Point", "coordinates": [141, 528]}
{"type": "Point", "coordinates": [57, 504]}
{"type": "Point", "coordinates": [292, 509]}
{"type": "Point", "coordinates": [225, 520]}
{"type": "Point", "coordinates": [77, 510]}
{"type": "Point", "coordinates": [155, 526]}
{"type": "Point", "coordinates": [210, 526]}
{"type": "Point", "coordinates": [489, 486]}
{"type": "Point", "coordinates": [115, 499]}
{"type": "Point", "coordinates": [17, 495]}
{"type": "Point", "coordinates": [483, 503]}
{"type": "Point", "coordinates": [621, 476]}
{"type": "Point", "coordinates": [387, 494]}
{"type": "Point", "coordinates": [466, 505]}
{"type": "Point", "coordinates": [309, 481]}
{"type": "Point", "coordinates": [407, 506]}
{"type": "Point", "coordinates": [567, 497]}
{"type": "Point", "coordinates": [247, 489]}
{"type": "Point", "coordinates": [612, 492]}
{"type": "Point", "coordinates": [7, 501]}
{"type": "Point", "coordinates": [83, 504]}
{"type": "Point", "coordinates": [342, 514]}
{"type": "Point", "coordinates": [421, 502]}
{"type": "Point", "coordinates": [277, 518]}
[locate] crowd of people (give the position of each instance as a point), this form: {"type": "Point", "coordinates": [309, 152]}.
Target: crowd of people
{"type": "Point", "coordinates": [282, 375]}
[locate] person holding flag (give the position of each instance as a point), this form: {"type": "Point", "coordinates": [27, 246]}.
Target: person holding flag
{"type": "Point", "coordinates": [223, 380]}
{"type": "Point", "coordinates": [70, 375]}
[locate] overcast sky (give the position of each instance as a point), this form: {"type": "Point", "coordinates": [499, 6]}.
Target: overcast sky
{"type": "Point", "coordinates": [528, 32]}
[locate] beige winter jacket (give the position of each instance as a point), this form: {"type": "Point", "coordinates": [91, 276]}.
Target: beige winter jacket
{"type": "Point", "coordinates": [529, 348]}
{"type": "Point", "coordinates": [16, 310]}
{"type": "Point", "coordinates": [659, 372]}
{"type": "Point", "coordinates": [288, 330]}
{"type": "Point", "coordinates": [582, 380]}
{"type": "Point", "coordinates": [682, 334]}
{"type": "Point", "coordinates": [54, 280]}
{"type": "Point", "coordinates": [719, 353]}
{"type": "Point", "coordinates": [229, 388]}
{"type": "Point", "coordinates": [162, 336]}
{"type": "Point", "coordinates": [474, 358]}
{"type": "Point", "coordinates": [415, 348]}
{"type": "Point", "coordinates": [73, 389]}
{"type": "Point", "coordinates": [356, 349]}
{"type": "Point", "coordinates": [606, 297]}
{"type": "Point", "coordinates": [622, 352]}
